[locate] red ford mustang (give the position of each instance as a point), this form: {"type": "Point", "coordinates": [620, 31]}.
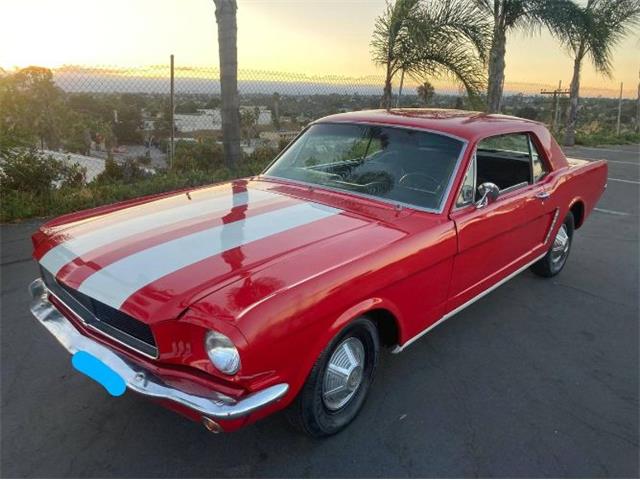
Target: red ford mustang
{"type": "Point", "coordinates": [229, 302]}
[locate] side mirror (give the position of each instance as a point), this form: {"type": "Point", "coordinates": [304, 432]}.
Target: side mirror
{"type": "Point", "coordinates": [489, 192]}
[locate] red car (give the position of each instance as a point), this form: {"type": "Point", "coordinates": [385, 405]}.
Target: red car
{"type": "Point", "coordinates": [229, 302]}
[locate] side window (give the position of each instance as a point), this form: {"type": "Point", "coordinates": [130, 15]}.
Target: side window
{"type": "Point", "coordinates": [505, 161]}
{"type": "Point", "coordinates": [538, 169]}
{"type": "Point", "coordinates": [467, 192]}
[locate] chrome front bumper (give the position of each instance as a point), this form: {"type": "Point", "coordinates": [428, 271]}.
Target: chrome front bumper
{"type": "Point", "coordinates": [216, 406]}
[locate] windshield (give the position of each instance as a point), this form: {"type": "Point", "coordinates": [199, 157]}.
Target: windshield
{"type": "Point", "coordinates": [395, 164]}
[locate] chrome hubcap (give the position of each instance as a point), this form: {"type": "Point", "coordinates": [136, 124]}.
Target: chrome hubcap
{"type": "Point", "coordinates": [560, 246]}
{"type": "Point", "coordinates": [344, 374]}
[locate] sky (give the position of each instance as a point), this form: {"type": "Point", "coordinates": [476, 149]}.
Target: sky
{"type": "Point", "coordinates": [314, 37]}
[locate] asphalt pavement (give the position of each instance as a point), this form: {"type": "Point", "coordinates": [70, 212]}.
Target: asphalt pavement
{"type": "Point", "coordinates": [537, 379]}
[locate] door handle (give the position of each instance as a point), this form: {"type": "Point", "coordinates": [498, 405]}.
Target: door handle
{"type": "Point", "coordinates": [543, 195]}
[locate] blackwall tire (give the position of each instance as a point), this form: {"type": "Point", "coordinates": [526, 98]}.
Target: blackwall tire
{"type": "Point", "coordinates": [350, 360]}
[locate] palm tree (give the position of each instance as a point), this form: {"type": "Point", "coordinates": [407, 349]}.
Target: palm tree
{"type": "Point", "coordinates": [594, 32]}
{"type": "Point", "coordinates": [431, 40]}
{"type": "Point", "coordinates": [509, 15]}
{"type": "Point", "coordinates": [230, 108]}
{"type": "Point", "coordinates": [425, 92]}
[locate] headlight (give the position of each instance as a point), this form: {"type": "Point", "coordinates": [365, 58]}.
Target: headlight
{"type": "Point", "coordinates": [222, 352]}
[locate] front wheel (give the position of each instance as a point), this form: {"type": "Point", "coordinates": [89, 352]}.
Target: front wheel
{"type": "Point", "coordinates": [553, 262]}
{"type": "Point", "coordinates": [339, 381]}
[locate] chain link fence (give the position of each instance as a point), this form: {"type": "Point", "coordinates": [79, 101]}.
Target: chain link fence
{"type": "Point", "coordinates": [274, 106]}
{"type": "Point", "coordinates": [106, 127]}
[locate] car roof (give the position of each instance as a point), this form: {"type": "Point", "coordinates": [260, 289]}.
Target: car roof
{"type": "Point", "coordinates": [467, 125]}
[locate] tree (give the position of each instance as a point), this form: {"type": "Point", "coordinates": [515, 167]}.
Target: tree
{"type": "Point", "coordinates": [509, 15]}
{"type": "Point", "coordinates": [228, 51]}
{"type": "Point", "coordinates": [593, 33]}
{"type": "Point", "coordinates": [275, 98]}
{"type": "Point", "coordinates": [32, 106]}
{"type": "Point", "coordinates": [425, 92]}
{"type": "Point", "coordinates": [446, 38]}
{"type": "Point", "coordinates": [249, 122]}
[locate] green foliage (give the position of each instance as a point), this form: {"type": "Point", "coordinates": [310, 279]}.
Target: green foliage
{"type": "Point", "coordinates": [191, 156]}
{"type": "Point", "coordinates": [425, 92]}
{"type": "Point", "coordinates": [606, 137]}
{"type": "Point", "coordinates": [22, 204]}
{"type": "Point", "coordinates": [257, 161]}
{"type": "Point", "coordinates": [527, 111]}
{"type": "Point", "coordinates": [187, 106]}
{"type": "Point", "coordinates": [26, 170]}
{"type": "Point", "coordinates": [32, 107]}
{"type": "Point", "coordinates": [432, 39]}
{"type": "Point", "coordinates": [596, 28]}
{"type": "Point", "coordinates": [249, 122]}
{"type": "Point", "coordinates": [127, 171]}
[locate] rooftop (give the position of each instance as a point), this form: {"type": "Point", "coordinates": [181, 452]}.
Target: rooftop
{"type": "Point", "coordinates": [461, 123]}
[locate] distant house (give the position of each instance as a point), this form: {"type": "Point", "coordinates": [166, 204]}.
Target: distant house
{"type": "Point", "coordinates": [208, 119]}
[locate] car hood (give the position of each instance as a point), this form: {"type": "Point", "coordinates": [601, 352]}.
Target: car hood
{"type": "Point", "coordinates": [154, 258]}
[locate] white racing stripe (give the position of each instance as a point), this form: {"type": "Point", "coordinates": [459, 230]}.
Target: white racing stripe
{"type": "Point", "coordinates": [118, 281]}
{"type": "Point", "coordinates": [69, 250]}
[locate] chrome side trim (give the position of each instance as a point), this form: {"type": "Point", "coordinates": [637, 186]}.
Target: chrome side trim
{"type": "Point", "coordinates": [400, 348]}
{"type": "Point", "coordinates": [515, 187]}
{"type": "Point", "coordinates": [553, 224]}
{"type": "Point", "coordinates": [139, 379]}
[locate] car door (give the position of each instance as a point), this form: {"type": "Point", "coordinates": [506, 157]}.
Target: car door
{"type": "Point", "coordinates": [501, 237]}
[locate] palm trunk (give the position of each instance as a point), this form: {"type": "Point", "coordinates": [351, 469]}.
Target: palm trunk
{"type": "Point", "coordinates": [496, 69]}
{"type": "Point", "coordinates": [385, 101]}
{"type": "Point", "coordinates": [572, 109]}
{"type": "Point", "coordinates": [228, 51]}
{"type": "Point", "coordinates": [400, 89]}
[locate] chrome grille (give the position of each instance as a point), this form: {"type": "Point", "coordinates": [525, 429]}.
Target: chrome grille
{"type": "Point", "coordinates": [108, 320]}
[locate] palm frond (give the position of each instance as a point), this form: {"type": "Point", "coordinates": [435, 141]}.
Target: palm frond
{"type": "Point", "coordinates": [610, 22]}
{"type": "Point", "coordinates": [596, 28]}
{"type": "Point", "coordinates": [446, 59]}
{"type": "Point", "coordinates": [456, 21]}
{"type": "Point", "coordinates": [390, 34]}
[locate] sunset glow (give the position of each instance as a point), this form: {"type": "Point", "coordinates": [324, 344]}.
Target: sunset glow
{"type": "Point", "coordinates": [311, 37]}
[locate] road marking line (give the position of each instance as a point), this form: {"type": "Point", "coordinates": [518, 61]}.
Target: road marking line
{"type": "Point", "coordinates": [589, 159]}
{"type": "Point", "coordinates": [606, 160]}
{"type": "Point", "coordinates": [634, 182]}
{"type": "Point", "coordinates": [610, 212]}
{"type": "Point", "coordinates": [605, 149]}
{"type": "Point", "coordinates": [619, 161]}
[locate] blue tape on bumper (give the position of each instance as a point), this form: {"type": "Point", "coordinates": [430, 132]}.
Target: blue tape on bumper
{"type": "Point", "coordinates": [94, 368]}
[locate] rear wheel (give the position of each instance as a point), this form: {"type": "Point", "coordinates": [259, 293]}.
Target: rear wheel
{"type": "Point", "coordinates": [339, 381]}
{"type": "Point", "coordinates": [556, 258]}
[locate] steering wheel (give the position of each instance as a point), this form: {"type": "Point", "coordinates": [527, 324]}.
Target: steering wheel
{"type": "Point", "coordinates": [420, 181]}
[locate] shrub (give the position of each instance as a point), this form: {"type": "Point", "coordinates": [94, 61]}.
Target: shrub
{"type": "Point", "coordinates": [202, 156]}
{"type": "Point", "coordinates": [257, 161]}
{"type": "Point", "coordinates": [127, 171]}
{"type": "Point", "coordinates": [604, 137]}
{"type": "Point", "coordinates": [27, 170]}
{"type": "Point", "coordinates": [17, 204]}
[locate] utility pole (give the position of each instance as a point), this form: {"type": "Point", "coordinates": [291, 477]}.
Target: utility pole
{"type": "Point", "coordinates": [556, 103]}
{"type": "Point", "coordinates": [171, 111]}
{"type": "Point", "coordinates": [638, 108]}
{"type": "Point", "coordinates": [619, 111]}
{"type": "Point", "coordinates": [556, 112]}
